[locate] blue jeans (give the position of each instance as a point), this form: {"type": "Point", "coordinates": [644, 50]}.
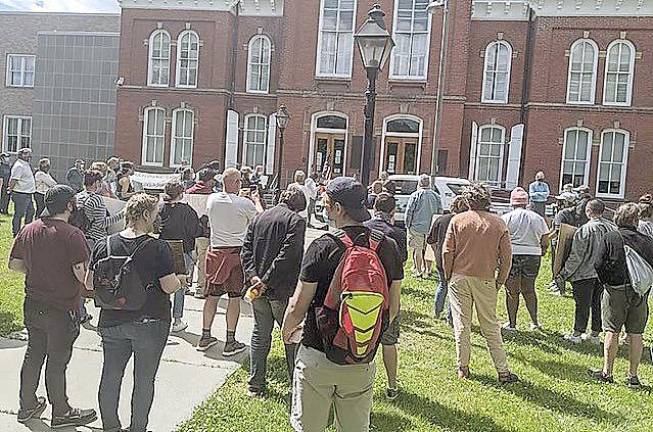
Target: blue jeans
{"type": "Point", "coordinates": [23, 209]}
{"type": "Point", "coordinates": [145, 341]}
{"type": "Point", "coordinates": [266, 312]}
{"type": "Point", "coordinates": [440, 297]}
{"type": "Point", "coordinates": [180, 296]}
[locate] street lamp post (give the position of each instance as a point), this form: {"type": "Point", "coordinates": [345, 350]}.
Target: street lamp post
{"type": "Point", "coordinates": [375, 44]}
{"type": "Point", "coordinates": [282, 117]}
{"type": "Point", "coordinates": [442, 69]}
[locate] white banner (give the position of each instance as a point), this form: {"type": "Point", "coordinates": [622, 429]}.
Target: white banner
{"type": "Point", "coordinates": [153, 181]}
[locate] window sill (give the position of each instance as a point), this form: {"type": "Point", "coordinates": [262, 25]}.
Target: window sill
{"type": "Point", "coordinates": [617, 104]}
{"type": "Point", "coordinates": [19, 87]}
{"type": "Point", "coordinates": [494, 102]}
{"type": "Point", "coordinates": [338, 79]}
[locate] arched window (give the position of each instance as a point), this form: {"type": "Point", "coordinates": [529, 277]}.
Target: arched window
{"type": "Point", "coordinates": [332, 122]}
{"type": "Point", "coordinates": [159, 59]}
{"type": "Point", "coordinates": [182, 136]}
{"type": "Point", "coordinates": [619, 70]}
{"type": "Point", "coordinates": [153, 136]}
{"type": "Point", "coordinates": [581, 81]}
{"type": "Point", "coordinates": [412, 31]}
{"type": "Point", "coordinates": [255, 139]}
{"type": "Point", "coordinates": [489, 154]}
{"type": "Point", "coordinates": [188, 55]}
{"type": "Point", "coordinates": [336, 38]}
{"type": "Point", "coordinates": [496, 72]}
{"type": "Point", "coordinates": [613, 164]}
{"type": "Point", "coordinates": [576, 157]}
{"type": "Point", "coordinates": [258, 64]}
{"type": "Point", "coordinates": [401, 145]}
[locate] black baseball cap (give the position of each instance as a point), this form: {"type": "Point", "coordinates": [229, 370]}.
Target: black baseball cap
{"type": "Point", "coordinates": [352, 195]}
{"type": "Point", "coordinates": [57, 198]}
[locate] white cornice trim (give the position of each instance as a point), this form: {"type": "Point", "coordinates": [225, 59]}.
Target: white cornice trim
{"type": "Point", "coordinates": [518, 10]}
{"type": "Point", "coordinates": [247, 7]}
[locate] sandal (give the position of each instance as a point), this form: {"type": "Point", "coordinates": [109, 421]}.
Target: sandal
{"type": "Point", "coordinates": [599, 376]}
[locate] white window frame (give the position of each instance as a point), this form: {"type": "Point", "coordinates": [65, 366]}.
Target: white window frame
{"type": "Point", "coordinates": [624, 164]}
{"type": "Point", "coordinates": [318, 53]}
{"type": "Point", "coordinates": [428, 46]}
{"type": "Point", "coordinates": [150, 58]}
{"type": "Point", "coordinates": [501, 153]}
{"type": "Point", "coordinates": [316, 130]}
{"type": "Point", "coordinates": [250, 66]}
{"type": "Point", "coordinates": [387, 134]}
{"type": "Point", "coordinates": [631, 73]}
{"type": "Point", "coordinates": [592, 100]}
{"type": "Point", "coordinates": [178, 83]}
{"type": "Point", "coordinates": [246, 143]}
{"type": "Point", "coordinates": [588, 154]}
{"type": "Point", "coordinates": [174, 137]}
{"type": "Point", "coordinates": [23, 58]}
{"type": "Point", "coordinates": [5, 131]}
{"type": "Point", "coordinates": [494, 71]}
{"type": "Point", "coordinates": [145, 136]}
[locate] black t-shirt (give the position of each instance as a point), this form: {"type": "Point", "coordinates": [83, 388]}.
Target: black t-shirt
{"type": "Point", "coordinates": [153, 261]}
{"type": "Point", "coordinates": [320, 263]}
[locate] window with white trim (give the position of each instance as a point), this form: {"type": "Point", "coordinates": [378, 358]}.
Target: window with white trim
{"type": "Point", "coordinates": [612, 164]}
{"type": "Point", "coordinates": [496, 79]}
{"type": "Point", "coordinates": [153, 136]}
{"type": "Point", "coordinates": [17, 133]}
{"type": "Point", "coordinates": [188, 55]}
{"type": "Point", "coordinates": [182, 136]}
{"type": "Point", "coordinates": [619, 70]}
{"type": "Point", "coordinates": [20, 70]}
{"type": "Point", "coordinates": [412, 28]}
{"type": "Point", "coordinates": [581, 80]}
{"type": "Point", "coordinates": [255, 139]}
{"type": "Point", "coordinates": [335, 45]}
{"type": "Point", "coordinates": [159, 59]}
{"type": "Point", "coordinates": [258, 64]}
{"type": "Point", "coordinates": [489, 154]}
{"type": "Point", "coordinates": [576, 153]}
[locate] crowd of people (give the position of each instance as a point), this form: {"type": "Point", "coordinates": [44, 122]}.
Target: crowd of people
{"type": "Point", "coordinates": [337, 302]}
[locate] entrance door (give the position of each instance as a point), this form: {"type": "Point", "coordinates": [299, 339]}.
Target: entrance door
{"type": "Point", "coordinates": [330, 148]}
{"type": "Point", "coordinates": [401, 155]}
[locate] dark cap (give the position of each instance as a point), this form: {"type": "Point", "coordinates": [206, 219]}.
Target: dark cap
{"type": "Point", "coordinates": [57, 198]}
{"type": "Point", "coordinates": [351, 195]}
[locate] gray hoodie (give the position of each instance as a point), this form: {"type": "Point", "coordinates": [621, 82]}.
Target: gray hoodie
{"type": "Point", "coordinates": [587, 239]}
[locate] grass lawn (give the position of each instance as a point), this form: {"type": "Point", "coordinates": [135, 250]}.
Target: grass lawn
{"type": "Point", "coordinates": [11, 284]}
{"type": "Point", "coordinates": [555, 395]}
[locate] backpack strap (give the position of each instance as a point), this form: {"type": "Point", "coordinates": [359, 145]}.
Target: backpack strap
{"type": "Point", "coordinates": [141, 246]}
{"type": "Point", "coordinates": [342, 237]}
{"type": "Point", "coordinates": [376, 237]}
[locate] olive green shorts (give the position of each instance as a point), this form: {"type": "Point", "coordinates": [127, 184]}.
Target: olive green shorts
{"type": "Point", "coordinates": [621, 306]}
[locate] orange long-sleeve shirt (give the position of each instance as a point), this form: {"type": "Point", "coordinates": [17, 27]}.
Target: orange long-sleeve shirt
{"type": "Point", "coordinates": [477, 244]}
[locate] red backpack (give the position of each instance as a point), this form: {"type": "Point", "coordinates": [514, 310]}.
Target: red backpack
{"type": "Point", "coordinates": [356, 308]}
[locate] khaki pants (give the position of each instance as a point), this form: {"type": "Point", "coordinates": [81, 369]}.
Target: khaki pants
{"type": "Point", "coordinates": [320, 384]}
{"type": "Point", "coordinates": [201, 246]}
{"type": "Point", "coordinates": [466, 292]}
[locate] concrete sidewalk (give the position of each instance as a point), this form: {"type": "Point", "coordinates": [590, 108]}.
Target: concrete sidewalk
{"type": "Point", "coordinates": [185, 379]}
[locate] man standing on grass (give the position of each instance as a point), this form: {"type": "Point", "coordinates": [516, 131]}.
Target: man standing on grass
{"type": "Point", "coordinates": [539, 194]}
{"type": "Point", "coordinates": [622, 307]}
{"type": "Point", "coordinates": [423, 204]}
{"type": "Point", "coordinates": [383, 221]}
{"type": "Point", "coordinates": [51, 306]}
{"type": "Point", "coordinates": [22, 187]}
{"type": "Point", "coordinates": [477, 257]}
{"type": "Point", "coordinates": [271, 257]}
{"type": "Point", "coordinates": [320, 383]}
{"type": "Point", "coordinates": [528, 237]}
{"type": "Point", "coordinates": [75, 176]}
{"type": "Point", "coordinates": [579, 269]}
{"type": "Point", "coordinates": [229, 217]}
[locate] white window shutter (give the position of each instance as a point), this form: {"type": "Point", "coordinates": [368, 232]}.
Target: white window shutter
{"type": "Point", "coordinates": [231, 154]}
{"type": "Point", "coordinates": [472, 152]}
{"type": "Point", "coordinates": [272, 140]}
{"type": "Point", "coordinates": [514, 156]}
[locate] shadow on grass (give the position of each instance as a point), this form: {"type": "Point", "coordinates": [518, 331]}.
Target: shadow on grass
{"type": "Point", "coordinates": [450, 419]}
{"type": "Point", "coordinates": [418, 291]}
{"type": "Point", "coordinates": [552, 400]}
{"type": "Point", "coordinates": [557, 369]}
{"type": "Point", "coordinates": [385, 422]}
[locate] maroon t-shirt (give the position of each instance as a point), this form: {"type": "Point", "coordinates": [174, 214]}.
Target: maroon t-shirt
{"type": "Point", "coordinates": [49, 249]}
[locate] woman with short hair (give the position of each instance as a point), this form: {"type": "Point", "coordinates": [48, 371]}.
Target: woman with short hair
{"type": "Point", "coordinates": [44, 182]}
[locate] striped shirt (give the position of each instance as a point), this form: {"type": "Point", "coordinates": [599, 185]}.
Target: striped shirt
{"type": "Point", "coordinates": [97, 215]}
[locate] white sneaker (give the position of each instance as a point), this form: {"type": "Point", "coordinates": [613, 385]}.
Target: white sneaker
{"type": "Point", "coordinates": [570, 337]}
{"type": "Point", "coordinates": [595, 340]}
{"type": "Point", "coordinates": [536, 327]}
{"type": "Point", "coordinates": [179, 326]}
{"type": "Point", "coordinates": [508, 327]}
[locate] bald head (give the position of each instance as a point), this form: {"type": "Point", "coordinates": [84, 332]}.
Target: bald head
{"type": "Point", "coordinates": [231, 180]}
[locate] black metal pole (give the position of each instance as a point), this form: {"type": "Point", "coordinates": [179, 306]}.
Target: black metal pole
{"type": "Point", "coordinates": [279, 163]}
{"type": "Point", "coordinates": [370, 95]}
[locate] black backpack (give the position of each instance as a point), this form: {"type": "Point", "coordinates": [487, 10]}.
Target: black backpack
{"type": "Point", "coordinates": [78, 218]}
{"type": "Point", "coordinates": [117, 283]}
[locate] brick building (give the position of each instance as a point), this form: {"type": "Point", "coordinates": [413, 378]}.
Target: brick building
{"type": "Point", "coordinates": [557, 85]}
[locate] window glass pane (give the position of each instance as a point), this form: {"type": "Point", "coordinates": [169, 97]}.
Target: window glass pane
{"type": "Point", "coordinates": [403, 126]}
{"type": "Point", "coordinates": [332, 122]}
